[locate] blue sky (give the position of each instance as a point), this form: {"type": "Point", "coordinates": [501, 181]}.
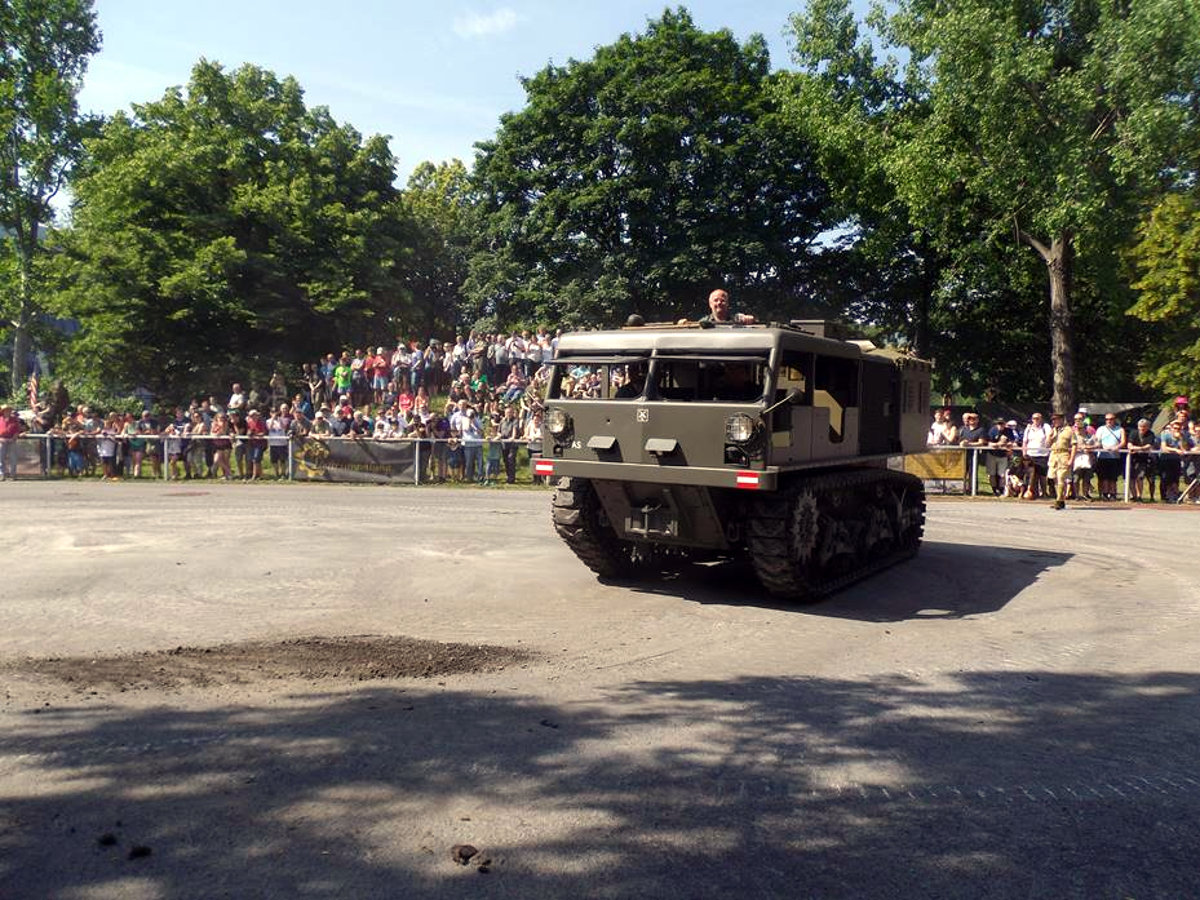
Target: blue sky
{"type": "Point", "coordinates": [434, 76]}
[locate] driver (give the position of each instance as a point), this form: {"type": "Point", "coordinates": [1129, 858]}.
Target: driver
{"type": "Point", "coordinates": [635, 382]}
{"type": "Point", "coordinates": [736, 382]}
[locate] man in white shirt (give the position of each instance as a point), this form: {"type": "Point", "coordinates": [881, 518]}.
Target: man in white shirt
{"type": "Point", "coordinates": [1035, 447]}
{"type": "Point", "coordinates": [237, 400]}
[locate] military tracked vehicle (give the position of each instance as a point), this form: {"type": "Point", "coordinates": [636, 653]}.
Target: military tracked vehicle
{"type": "Point", "coordinates": [772, 442]}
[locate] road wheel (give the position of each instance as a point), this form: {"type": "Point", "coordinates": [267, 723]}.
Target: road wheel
{"type": "Point", "coordinates": [580, 521]}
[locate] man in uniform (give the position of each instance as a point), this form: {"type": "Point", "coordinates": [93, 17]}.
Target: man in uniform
{"type": "Point", "coordinates": [1064, 442]}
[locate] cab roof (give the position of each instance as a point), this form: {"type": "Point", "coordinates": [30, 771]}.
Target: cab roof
{"type": "Point", "coordinates": [697, 339]}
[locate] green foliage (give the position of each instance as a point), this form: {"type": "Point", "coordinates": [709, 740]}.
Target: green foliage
{"type": "Point", "coordinates": [638, 180]}
{"type": "Point", "coordinates": [844, 103]}
{"type": "Point", "coordinates": [44, 50]}
{"type": "Point", "coordinates": [440, 202]}
{"type": "Point", "coordinates": [1167, 257]}
{"type": "Point", "coordinates": [1044, 124]}
{"type": "Point", "coordinates": [227, 228]}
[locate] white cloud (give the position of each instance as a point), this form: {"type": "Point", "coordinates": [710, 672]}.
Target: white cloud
{"type": "Point", "coordinates": [478, 25]}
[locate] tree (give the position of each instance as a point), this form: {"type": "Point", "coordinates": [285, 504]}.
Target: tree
{"type": "Point", "coordinates": [639, 179]}
{"type": "Point", "coordinates": [440, 201]}
{"type": "Point", "coordinates": [223, 230]}
{"type": "Point", "coordinates": [1167, 257]}
{"type": "Point", "coordinates": [944, 277]}
{"type": "Point", "coordinates": [44, 50]}
{"type": "Point", "coordinates": [1048, 121]}
{"type": "Point", "coordinates": [844, 104]}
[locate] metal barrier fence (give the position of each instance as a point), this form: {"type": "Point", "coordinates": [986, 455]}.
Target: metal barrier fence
{"type": "Point", "coordinates": [962, 465]}
{"type": "Point", "coordinates": [421, 460]}
{"type": "Point", "coordinates": [311, 458]}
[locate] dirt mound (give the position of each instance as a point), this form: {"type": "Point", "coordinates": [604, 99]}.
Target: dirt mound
{"type": "Point", "coordinates": [359, 658]}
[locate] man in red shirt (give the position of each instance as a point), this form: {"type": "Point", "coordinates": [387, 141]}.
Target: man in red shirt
{"type": "Point", "coordinates": [256, 430]}
{"type": "Point", "coordinates": [10, 426]}
{"type": "Point", "coordinates": [381, 370]}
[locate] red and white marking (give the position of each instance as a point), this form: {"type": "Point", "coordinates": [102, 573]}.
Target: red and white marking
{"type": "Point", "coordinates": [747, 480]}
{"type": "Point", "coordinates": [543, 467]}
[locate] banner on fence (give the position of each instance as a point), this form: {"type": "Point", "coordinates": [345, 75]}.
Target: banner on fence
{"type": "Point", "coordinates": [376, 462]}
{"type": "Point", "coordinates": [935, 466]}
{"type": "Point", "coordinates": [30, 457]}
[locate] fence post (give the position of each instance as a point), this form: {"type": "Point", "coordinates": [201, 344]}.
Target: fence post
{"type": "Point", "coordinates": [1128, 469]}
{"type": "Point", "coordinates": [291, 460]}
{"type": "Point", "coordinates": [417, 461]}
{"type": "Point", "coordinates": [974, 471]}
{"type": "Point", "coordinates": [49, 457]}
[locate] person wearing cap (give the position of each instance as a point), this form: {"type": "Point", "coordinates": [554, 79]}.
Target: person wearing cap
{"type": "Point", "coordinates": [320, 426]}
{"type": "Point", "coordinates": [381, 370]}
{"type": "Point", "coordinates": [1064, 443]}
{"type": "Point", "coordinates": [1143, 461]}
{"type": "Point", "coordinates": [256, 444]}
{"type": "Point", "coordinates": [1110, 441]}
{"type": "Point", "coordinates": [1173, 445]}
{"type": "Point", "coordinates": [1082, 489]}
{"type": "Point", "coordinates": [11, 427]}
{"type": "Point", "coordinates": [1182, 413]}
{"type": "Point", "coordinates": [972, 435]}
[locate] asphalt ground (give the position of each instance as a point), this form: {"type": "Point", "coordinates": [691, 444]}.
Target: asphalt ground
{"type": "Point", "coordinates": [1013, 714]}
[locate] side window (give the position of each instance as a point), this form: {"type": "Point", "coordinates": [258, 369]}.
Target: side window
{"type": "Point", "coordinates": [835, 387]}
{"type": "Point", "coordinates": [581, 382]}
{"type": "Point", "coordinates": [795, 374]}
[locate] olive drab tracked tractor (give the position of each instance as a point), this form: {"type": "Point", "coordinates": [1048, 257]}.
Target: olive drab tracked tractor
{"type": "Point", "coordinates": [767, 441]}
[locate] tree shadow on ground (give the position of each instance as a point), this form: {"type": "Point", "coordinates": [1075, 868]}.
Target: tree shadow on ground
{"type": "Point", "coordinates": [944, 580]}
{"type": "Point", "coordinates": [990, 784]}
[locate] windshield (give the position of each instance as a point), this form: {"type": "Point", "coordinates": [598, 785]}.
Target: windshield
{"type": "Point", "coordinates": [691, 379]}
{"type": "Point", "coordinates": [708, 380]}
{"type": "Point", "coordinates": [590, 380]}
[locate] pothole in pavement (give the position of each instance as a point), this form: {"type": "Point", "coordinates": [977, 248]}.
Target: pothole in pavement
{"type": "Point", "coordinates": [357, 658]}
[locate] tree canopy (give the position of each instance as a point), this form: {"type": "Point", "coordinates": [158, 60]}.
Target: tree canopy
{"type": "Point", "coordinates": [1167, 258]}
{"type": "Point", "coordinates": [45, 46]}
{"type": "Point", "coordinates": [899, 178]}
{"type": "Point", "coordinates": [441, 203]}
{"type": "Point", "coordinates": [227, 228]}
{"type": "Point", "coordinates": [639, 179]}
{"type": "Point", "coordinates": [1037, 123]}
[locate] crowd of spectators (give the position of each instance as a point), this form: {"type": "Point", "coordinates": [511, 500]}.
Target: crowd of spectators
{"type": "Point", "coordinates": [473, 403]}
{"type": "Point", "coordinates": [1018, 457]}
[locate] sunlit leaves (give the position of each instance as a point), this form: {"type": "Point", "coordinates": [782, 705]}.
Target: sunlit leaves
{"type": "Point", "coordinates": [229, 226]}
{"type": "Point", "coordinates": [637, 180]}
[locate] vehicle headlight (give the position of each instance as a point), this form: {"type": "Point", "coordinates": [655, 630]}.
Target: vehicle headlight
{"type": "Point", "coordinates": [557, 421]}
{"type": "Point", "coordinates": [739, 429]}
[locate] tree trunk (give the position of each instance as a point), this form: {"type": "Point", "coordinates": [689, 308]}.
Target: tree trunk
{"type": "Point", "coordinates": [1059, 258]}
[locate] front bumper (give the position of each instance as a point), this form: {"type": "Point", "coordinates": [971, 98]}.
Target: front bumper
{"type": "Point", "coordinates": [742, 479]}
